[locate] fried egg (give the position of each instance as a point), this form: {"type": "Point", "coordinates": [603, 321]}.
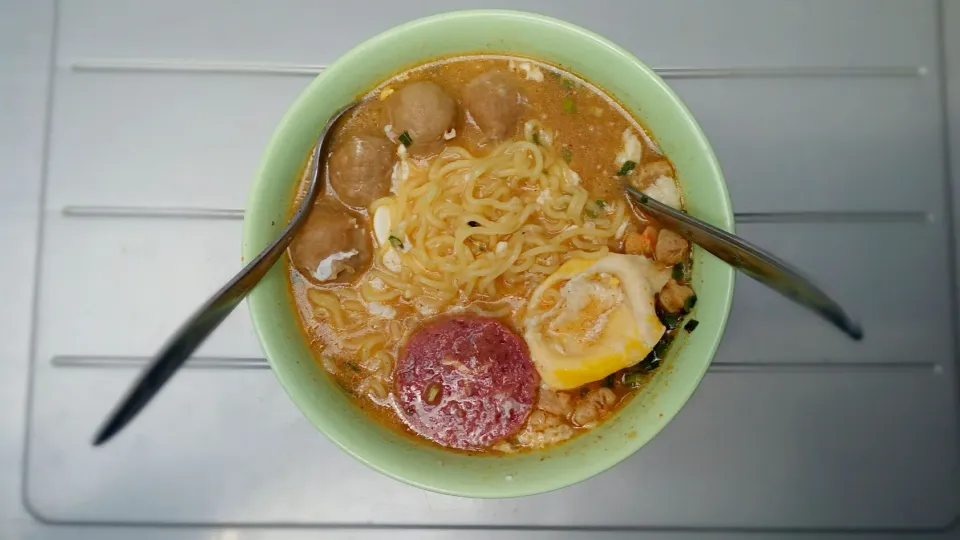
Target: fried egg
{"type": "Point", "coordinates": [592, 318]}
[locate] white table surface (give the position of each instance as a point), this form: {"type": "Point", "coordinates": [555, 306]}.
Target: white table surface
{"type": "Point", "coordinates": [129, 132]}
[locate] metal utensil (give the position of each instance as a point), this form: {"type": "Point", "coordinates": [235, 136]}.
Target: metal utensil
{"type": "Point", "coordinates": [752, 261]}
{"type": "Point", "coordinates": [199, 326]}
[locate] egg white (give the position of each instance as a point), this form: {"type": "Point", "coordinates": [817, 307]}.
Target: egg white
{"type": "Point", "coordinates": [600, 319]}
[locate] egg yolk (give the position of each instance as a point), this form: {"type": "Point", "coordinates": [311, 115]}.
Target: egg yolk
{"type": "Point", "coordinates": [593, 318]}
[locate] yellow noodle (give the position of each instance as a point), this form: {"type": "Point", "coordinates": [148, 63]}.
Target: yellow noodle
{"type": "Point", "coordinates": [373, 294]}
{"type": "Point", "coordinates": [329, 303]}
{"type": "Point", "coordinates": [519, 232]}
{"type": "Point", "coordinates": [530, 213]}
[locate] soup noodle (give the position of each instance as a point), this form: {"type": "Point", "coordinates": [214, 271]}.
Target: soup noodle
{"type": "Point", "coordinates": [475, 274]}
{"type": "Point", "coordinates": [471, 220]}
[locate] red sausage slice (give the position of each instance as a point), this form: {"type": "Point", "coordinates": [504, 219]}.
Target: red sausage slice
{"type": "Point", "coordinates": [466, 382]}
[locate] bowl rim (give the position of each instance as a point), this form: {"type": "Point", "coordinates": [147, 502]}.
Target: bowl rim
{"type": "Point", "coordinates": [724, 220]}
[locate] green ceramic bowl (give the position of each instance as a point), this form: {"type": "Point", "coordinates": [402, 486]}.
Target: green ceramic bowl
{"type": "Point", "coordinates": [582, 52]}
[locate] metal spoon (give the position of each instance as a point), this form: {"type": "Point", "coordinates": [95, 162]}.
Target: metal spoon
{"type": "Point", "coordinates": [752, 261]}
{"type": "Point", "coordinates": [199, 326]}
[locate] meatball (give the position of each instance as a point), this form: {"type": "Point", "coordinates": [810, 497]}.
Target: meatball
{"type": "Point", "coordinates": [674, 297]}
{"type": "Point", "coordinates": [332, 246]}
{"type": "Point", "coordinates": [493, 100]}
{"type": "Point", "coordinates": [641, 243]}
{"type": "Point", "coordinates": [648, 172]}
{"type": "Point", "coordinates": [593, 405]}
{"type": "Point", "coordinates": [423, 110]}
{"type": "Point", "coordinates": [554, 402]}
{"type": "Point", "coordinates": [360, 169]}
{"type": "Point", "coordinates": [544, 429]}
{"type": "Point", "coordinates": [671, 248]}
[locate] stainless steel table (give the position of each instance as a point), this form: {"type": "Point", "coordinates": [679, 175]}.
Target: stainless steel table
{"type": "Point", "coordinates": [129, 132]}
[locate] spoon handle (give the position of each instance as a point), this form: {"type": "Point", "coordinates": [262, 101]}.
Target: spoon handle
{"type": "Point", "coordinates": [189, 336]}
{"type": "Point", "coordinates": [752, 261]}
{"type": "Point", "coordinates": [205, 320]}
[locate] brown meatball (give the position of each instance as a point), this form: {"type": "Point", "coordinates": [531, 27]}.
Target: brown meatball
{"type": "Point", "coordinates": [593, 405]}
{"type": "Point", "coordinates": [674, 296]}
{"type": "Point", "coordinates": [331, 235]}
{"type": "Point", "coordinates": [494, 102]}
{"type": "Point", "coordinates": [423, 110]}
{"type": "Point", "coordinates": [360, 169]}
{"type": "Point", "coordinates": [554, 402]}
{"type": "Point", "coordinates": [648, 172]}
{"type": "Point", "coordinates": [671, 247]}
{"type": "Point", "coordinates": [641, 243]}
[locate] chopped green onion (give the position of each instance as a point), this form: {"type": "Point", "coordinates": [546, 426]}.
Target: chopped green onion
{"type": "Point", "coordinates": [692, 301]}
{"type": "Point", "coordinates": [691, 325]}
{"type": "Point", "coordinates": [397, 243]}
{"type": "Point", "coordinates": [634, 379]}
{"type": "Point", "coordinates": [609, 380]}
{"type": "Point", "coordinates": [626, 167]}
{"type": "Point", "coordinates": [601, 203]}
{"type": "Point", "coordinates": [405, 139]}
{"type": "Point", "coordinates": [353, 367]}
{"type": "Point", "coordinates": [591, 213]}
{"type": "Point", "coordinates": [648, 364]}
{"type": "Point", "coordinates": [473, 223]}
{"type": "Point", "coordinates": [433, 393]}
{"type": "Point", "coordinates": [644, 199]}
{"type": "Point", "coordinates": [566, 154]}
{"type": "Point", "coordinates": [678, 271]}
{"type": "Point", "coordinates": [536, 138]}
{"type": "Point", "coordinates": [671, 320]}
{"type": "Point", "coordinates": [567, 83]}
{"type": "Point", "coordinates": [660, 349]}
{"type": "Point", "coordinates": [569, 106]}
